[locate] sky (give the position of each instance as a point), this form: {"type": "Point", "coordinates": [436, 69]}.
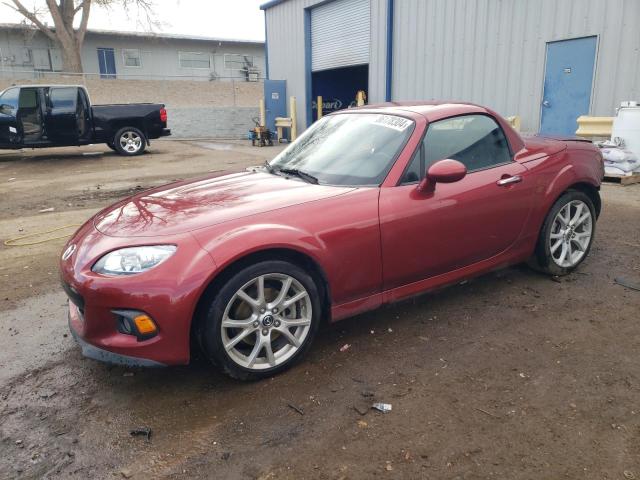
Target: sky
{"type": "Point", "coordinates": [238, 19]}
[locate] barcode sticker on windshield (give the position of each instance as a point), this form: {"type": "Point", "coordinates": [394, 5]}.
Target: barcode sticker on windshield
{"type": "Point", "coordinates": [390, 121]}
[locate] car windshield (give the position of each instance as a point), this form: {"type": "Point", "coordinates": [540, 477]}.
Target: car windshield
{"type": "Point", "coordinates": [346, 149]}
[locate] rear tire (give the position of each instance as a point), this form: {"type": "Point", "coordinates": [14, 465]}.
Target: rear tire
{"type": "Point", "coordinates": [566, 235]}
{"type": "Point", "coordinates": [129, 141]}
{"type": "Point", "coordinates": [252, 335]}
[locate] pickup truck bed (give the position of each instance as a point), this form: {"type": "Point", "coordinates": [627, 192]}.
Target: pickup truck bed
{"type": "Point", "coordinates": [107, 119]}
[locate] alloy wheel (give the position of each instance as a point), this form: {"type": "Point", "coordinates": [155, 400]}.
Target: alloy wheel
{"type": "Point", "coordinates": [266, 321]}
{"type": "Point", "coordinates": [130, 141]}
{"type": "Point", "coordinates": [571, 234]}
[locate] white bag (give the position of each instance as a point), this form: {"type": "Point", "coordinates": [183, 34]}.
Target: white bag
{"type": "Point", "coordinates": [610, 170]}
{"type": "Point", "coordinates": [618, 155]}
{"type": "Point", "coordinates": [619, 161]}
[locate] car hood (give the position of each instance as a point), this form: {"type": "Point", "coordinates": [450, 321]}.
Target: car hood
{"type": "Point", "coordinates": [187, 206]}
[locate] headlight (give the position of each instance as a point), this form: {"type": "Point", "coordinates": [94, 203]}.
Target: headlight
{"type": "Point", "coordinates": [128, 261]}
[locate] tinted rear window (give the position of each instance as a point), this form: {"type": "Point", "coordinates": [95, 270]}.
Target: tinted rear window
{"type": "Point", "coordinates": [63, 98]}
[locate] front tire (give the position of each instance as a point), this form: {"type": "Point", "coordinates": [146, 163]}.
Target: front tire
{"type": "Point", "coordinates": [567, 234]}
{"type": "Point", "coordinates": [262, 320]}
{"type": "Point", "coordinates": [129, 141]}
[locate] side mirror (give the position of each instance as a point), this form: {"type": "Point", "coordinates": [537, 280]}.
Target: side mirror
{"type": "Point", "coordinates": [443, 171]}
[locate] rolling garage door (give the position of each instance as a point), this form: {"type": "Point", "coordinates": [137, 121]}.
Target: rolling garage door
{"type": "Point", "coordinates": [340, 34]}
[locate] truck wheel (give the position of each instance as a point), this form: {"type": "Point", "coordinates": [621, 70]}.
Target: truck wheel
{"type": "Point", "coordinates": [129, 141]}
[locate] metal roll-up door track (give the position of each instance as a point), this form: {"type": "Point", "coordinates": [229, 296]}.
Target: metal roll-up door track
{"type": "Point", "coordinates": [340, 34]}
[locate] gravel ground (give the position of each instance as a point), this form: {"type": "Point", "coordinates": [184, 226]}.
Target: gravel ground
{"type": "Point", "coordinates": [511, 375]}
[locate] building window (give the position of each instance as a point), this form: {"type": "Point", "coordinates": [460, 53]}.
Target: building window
{"type": "Point", "coordinates": [131, 57]}
{"type": "Point", "coordinates": [27, 57]}
{"type": "Point", "coordinates": [194, 60]}
{"type": "Point", "coordinates": [236, 61]}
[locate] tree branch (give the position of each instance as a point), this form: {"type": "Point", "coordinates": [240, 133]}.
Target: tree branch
{"type": "Point", "coordinates": [84, 21]}
{"type": "Point", "coordinates": [32, 18]}
{"type": "Point", "coordinates": [77, 9]}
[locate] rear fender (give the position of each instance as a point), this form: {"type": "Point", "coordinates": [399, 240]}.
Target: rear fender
{"type": "Point", "coordinates": [551, 185]}
{"type": "Point", "coordinates": [119, 123]}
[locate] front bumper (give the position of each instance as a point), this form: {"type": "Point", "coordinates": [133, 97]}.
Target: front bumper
{"type": "Point", "coordinates": [91, 351]}
{"type": "Point", "coordinates": [168, 294]}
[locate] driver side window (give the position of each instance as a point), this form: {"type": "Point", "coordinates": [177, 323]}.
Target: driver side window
{"type": "Point", "coordinates": [9, 101]}
{"type": "Point", "coordinates": [415, 171]}
{"type": "Point", "coordinates": [475, 140]}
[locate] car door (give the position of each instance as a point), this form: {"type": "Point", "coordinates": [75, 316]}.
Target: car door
{"type": "Point", "coordinates": [461, 223]}
{"type": "Point", "coordinates": [83, 117]}
{"type": "Point", "coordinates": [9, 130]}
{"type": "Point", "coordinates": [30, 116]}
{"type": "Point", "coordinates": [61, 115]}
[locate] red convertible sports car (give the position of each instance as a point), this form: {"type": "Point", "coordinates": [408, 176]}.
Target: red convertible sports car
{"type": "Point", "coordinates": [368, 206]}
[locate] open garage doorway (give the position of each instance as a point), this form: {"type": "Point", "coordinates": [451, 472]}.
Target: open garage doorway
{"type": "Point", "coordinates": [338, 87]}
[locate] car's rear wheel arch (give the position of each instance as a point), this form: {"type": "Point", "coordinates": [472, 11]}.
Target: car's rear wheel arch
{"type": "Point", "coordinates": [295, 257]}
{"type": "Point", "coordinates": [590, 191]}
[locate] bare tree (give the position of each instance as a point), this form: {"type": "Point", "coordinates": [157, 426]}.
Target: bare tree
{"type": "Point", "coordinates": [64, 14]}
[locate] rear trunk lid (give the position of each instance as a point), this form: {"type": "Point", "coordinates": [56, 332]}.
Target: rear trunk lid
{"type": "Point", "coordinates": [537, 146]}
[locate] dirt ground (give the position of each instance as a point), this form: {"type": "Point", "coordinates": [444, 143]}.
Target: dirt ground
{"type": "Point", "coordinates": [512, 375]}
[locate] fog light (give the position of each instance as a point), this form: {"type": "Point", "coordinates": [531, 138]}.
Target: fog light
{"type": "Point", "coordinates": [124, 326]}
{"type": "Point", "coordinates": [144, 324]}
{"type": "Point", "coordinates": [135, 322]}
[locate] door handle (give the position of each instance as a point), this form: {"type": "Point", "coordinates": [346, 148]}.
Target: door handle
{"type": "Point", "coordinates": [546, 104]}
{"type": "Point", "coordinates": [509, 180]}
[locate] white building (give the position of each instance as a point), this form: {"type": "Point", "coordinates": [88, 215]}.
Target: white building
{"type": "Point", "coordinates": [133, 55]}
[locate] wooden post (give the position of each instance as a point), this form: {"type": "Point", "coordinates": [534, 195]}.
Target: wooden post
{"type": "Point", "coordinates": [263, 113]}
{"type": "Point", "coordinates": [319, 106]}
{"type": "Point", "coordinates": [294, 118]}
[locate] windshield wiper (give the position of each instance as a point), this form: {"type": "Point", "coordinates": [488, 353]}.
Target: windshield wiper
{"type": "Point", "coordinates": [307, 177]}
{"type": "Point", "coordinates": [268, 166]}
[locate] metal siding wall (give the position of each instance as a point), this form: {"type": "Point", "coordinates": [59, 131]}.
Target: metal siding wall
{"type": "Point", "coordinates": [492, 52]}
{"type": "Point", "coordinates": [378, 55]}
{"type": "Point", "coordinates": [285, 30]}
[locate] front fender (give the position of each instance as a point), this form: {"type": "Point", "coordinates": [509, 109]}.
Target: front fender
{"type": "Point", "coordinates": [340, 234]}
{"type": "Point", "coordinates": [243, 240]}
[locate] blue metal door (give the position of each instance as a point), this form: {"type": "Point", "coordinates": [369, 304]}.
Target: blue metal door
{"type": "Point", "coordinates": [275, 101]}
{"type": "Point", "coordinates": [107, 62]}
{"type": "Point", "coordinates": [567, 84]}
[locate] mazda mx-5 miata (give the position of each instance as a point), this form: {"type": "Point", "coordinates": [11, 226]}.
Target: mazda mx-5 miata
{"type": "Point", "coordinates": [368, 206]}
